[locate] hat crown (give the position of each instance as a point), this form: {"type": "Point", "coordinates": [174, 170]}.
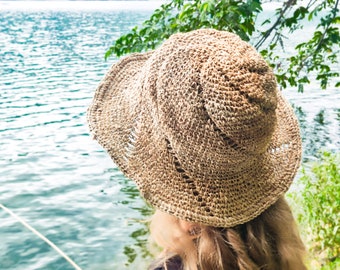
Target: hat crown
{"type": "Point", "coordinates": [213, 90]}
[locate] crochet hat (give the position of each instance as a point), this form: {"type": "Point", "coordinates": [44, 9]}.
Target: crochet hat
{"type": "Point", "coordinates": [200, 126]}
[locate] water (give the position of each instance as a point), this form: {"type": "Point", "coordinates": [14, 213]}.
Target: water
{"type": "Point", "coordinates": [51, 173]}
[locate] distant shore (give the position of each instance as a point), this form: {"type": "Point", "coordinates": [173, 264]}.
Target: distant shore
{"type": "Point", "coordinates": [65, 5]}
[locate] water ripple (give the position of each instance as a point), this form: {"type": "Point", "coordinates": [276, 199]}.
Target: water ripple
{"type": "Point", "coordinates": [50, 64]}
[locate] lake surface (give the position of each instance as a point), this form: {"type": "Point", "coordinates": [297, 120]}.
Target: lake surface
{"type": "Point", "coordinates": [51, 173]}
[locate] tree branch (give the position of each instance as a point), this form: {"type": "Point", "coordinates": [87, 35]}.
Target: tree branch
{"type": "Point", "coordinates": [318, 46]}
{"type": "Point", "coordinates": [286, 6]}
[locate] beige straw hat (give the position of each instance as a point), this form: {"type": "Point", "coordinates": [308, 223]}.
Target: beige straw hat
{"type": "Point", "coordinates": [200, 126]}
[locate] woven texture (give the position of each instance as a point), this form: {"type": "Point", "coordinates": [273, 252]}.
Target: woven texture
{"type": "Point", "coordinates": [200, 126]}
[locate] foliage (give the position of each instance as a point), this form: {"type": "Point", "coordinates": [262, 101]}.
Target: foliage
{"type": "Point", "coordinates": [320, 211]}
{"type": "Point", "coordinates": [315, 55]}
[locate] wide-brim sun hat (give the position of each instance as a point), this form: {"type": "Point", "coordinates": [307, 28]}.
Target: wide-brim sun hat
{"type": "Point", "coordinates": [201, 127]}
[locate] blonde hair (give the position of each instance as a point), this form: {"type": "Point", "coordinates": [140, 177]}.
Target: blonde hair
{"type": "Point", "coordinates": [269, 242]}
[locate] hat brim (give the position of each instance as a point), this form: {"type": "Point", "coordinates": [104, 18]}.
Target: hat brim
{"type": "Point", "coordinates": [119, 118]}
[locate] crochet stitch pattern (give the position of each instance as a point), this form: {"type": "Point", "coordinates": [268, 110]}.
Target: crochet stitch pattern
{"type": "Point", "coordinates": [201, 127]}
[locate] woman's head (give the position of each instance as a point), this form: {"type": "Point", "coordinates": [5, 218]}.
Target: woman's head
{"type": "Point", "coordinates": [201, 127]}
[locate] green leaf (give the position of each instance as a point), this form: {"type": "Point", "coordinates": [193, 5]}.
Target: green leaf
{"type": "Point", "coordinates": [240, 17]}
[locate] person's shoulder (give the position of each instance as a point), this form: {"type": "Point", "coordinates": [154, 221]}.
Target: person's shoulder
{"type": "Point", "coordinates": [173, 263]}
